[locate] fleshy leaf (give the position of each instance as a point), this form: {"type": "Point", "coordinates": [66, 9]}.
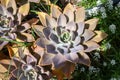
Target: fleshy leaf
{"type": "Point", "coordinates": [70, 15]}
{"type": "Point", "coordinates": [38, 29]}
{"type": "Point", "coordinates": [2, 44]}
{"type": "Point", "coordinates": [91, 45]}
{"type": "Point", "coordinates": [71, 26]}
{"type": "Point", "coordinates": [55, 11]}
{"type": "Point", "coordinates": [84, 58]}
{"type": "Point", "coordinates": [12, 51]}
{"type": "Point", "coordinates": [6, 64]}
{"type": "Point", "coordinates": [46, 59]}
{"type": "Point", "coordinates": [41, 16]}
{"type": "Point", "coordinates": [58, 73]}
{"type": "Point", "coordinates": [68, 68]}
{"type": "Point", "coordinates": [51, 22]}
{"type": "Point", "coordinates": [24, 9]}
{"type": "Point", "coordinates": [69, 11]}
{"type": "Point", "coordinates": [16, 72]}
{"type": "Point", "coordinates": [12, 4]}
{"type": "Point", "coordinates": [5, 2]}
{"type": "Point", "coordinates": [80, 14]}
{"type": "Point", "coordinates": [25, 37]}
{"type": "Point", "coordinates": [100, 36]}
{"type": "Point", "coordinates": [62, 20]}
{"type": "Point", "coordinates": [18, 62]}
{"type": "Point", "coordinates": [69, 7]}
{"type": "Point", "coordinates": [80, 26]}
{"type": "Point", "coordinates": [91, 24]}
{"type": "Point", "coordinates": [88, 34]}
{"type": "Point", "coordinates": [59, 60]}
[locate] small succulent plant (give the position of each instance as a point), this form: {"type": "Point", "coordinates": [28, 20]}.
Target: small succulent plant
{"type": "Point", "coordinates": [7, 26]}
{"type": "Point", "coordinates": [26, 67]}
{"type": "Point", "coordinates": [11, 27]}
{"type": "Point", "coordinates": [66, 37]}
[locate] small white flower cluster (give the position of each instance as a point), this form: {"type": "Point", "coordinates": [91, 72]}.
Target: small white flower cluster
{"type": "Point", "coordinates": [96, 56]}
{"type": "Point", "coordinates": [118, 5]}
{"type": "Point", "coordinates": [94, 11]}
{"type": "Point", "coordinates": [92, 69]}
{"type": "Point", "coordinates": [110, 4]}
{"type": "Point", "coordinates": [112, 28]}
{"type": "Point", "coordinates": [99, 2]}
{"type": "Point", "coordinates": [104, 64]}
{"type": "Point", "coordinates": [113, 79]}
{"type": "Point", "coordinates": [113, 62]}
{"type": "Point", "coordinates": [82, 69]}
{"type": "Point", "coordinates": [103, 12]}
{"type": "Point", "coordinates": [108, 45]}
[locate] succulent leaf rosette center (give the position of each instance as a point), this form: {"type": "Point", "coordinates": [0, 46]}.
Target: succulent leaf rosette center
{"type": "Point", "coordinates": [30, 72]}
{"type": "Point", "coordinates": [4, 21]}
{"type": "Point", "coordinates": [5, 24]}
{"type": "Point", "coordinates": [65, 37]}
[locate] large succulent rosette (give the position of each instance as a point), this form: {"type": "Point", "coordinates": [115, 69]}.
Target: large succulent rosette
{"type": "Point", "coordinates": [25, 67]}
{"type": "Point", "coordinates": [66, 37]}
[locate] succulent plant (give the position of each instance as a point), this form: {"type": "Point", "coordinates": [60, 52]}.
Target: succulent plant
{"type": "Point", "coordinates": [26, 67]}
{"type": "Point", "coordinates": [11, 27]}
{"type": "Point", "coordinates": [66, 37]}
{"type": "Point", "coordinates": [7, 26]}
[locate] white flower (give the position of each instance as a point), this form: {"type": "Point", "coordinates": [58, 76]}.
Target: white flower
{"type": "Point", "coordinates": [104, 15]}
{"type": "Point", "coordinates": [82, 69]}
{"type": "Point", "coordinates": [94, 11]}
{"type": "Point", "coordinates": [112, 28]}
{"type": "Point", "coordinates": [113, 62]}
{"type": "Point", "coordinates": [108, 45]}
{"type": "Point", "coordinates": [116, 8]}
{"type": "Point", "coordinates": [110, 1]}
{"type": "Point", "coordinates": [102, 9]}
{"type": "Point", "coordinates": [103, 12]}
{"type": "Point", "coordinates": [118, 5]}
{"type": "Point", "coordinates": [89, 12]}
{"type": "Point", "coordinates": [97, 55]}
{"type": "Point", "coordinates": [104, 64]}
{"type": "Point", "coordinates": [110, 4]}
{"type": "Point", "coordinates": [93, 69]}
{"type": "Point", "coordinates": [98, 2]}
{"type": "Point", "coordinates": [113, 79]}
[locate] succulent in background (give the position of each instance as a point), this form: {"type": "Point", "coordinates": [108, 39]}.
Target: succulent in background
{"type": "Point", "coordinates": [7, 25]}
{"type": "Point", "coordinates": [66, 37]}
{"type": "Point", "coordinates": [11, 27]}
{"type": "Point", "coordinates": [25, 67]}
